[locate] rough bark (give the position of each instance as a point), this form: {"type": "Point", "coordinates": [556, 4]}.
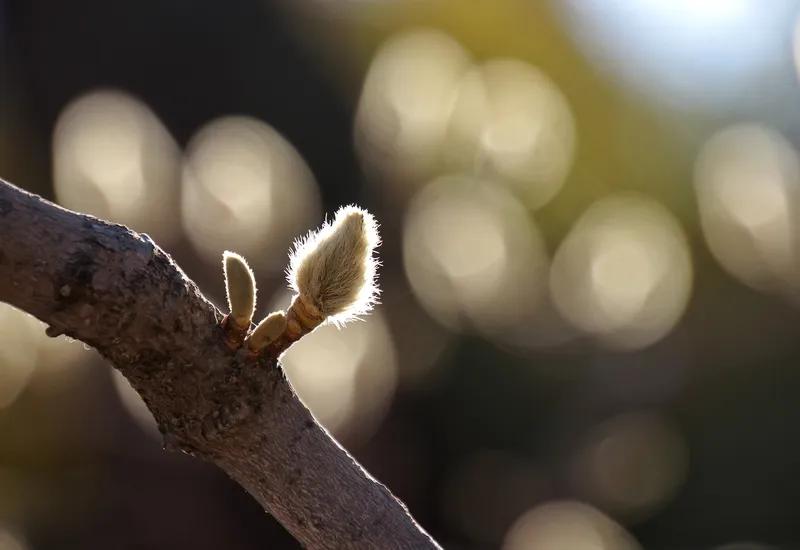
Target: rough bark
{"type": "Point", "coordinates": [117, 291]}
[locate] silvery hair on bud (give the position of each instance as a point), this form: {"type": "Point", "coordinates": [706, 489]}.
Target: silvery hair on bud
{"type": "Point", "coordinates": [240, 286]}
{"type": "Point", "coordinates": [334, 268]}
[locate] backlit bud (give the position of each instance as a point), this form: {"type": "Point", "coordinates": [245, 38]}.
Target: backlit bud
{"type": "Point", "coordinates": [267, 331]}
{"type": "Point", "coordinates": [240, 286]}
{"type": "Point", "coordinates": [333, 269]}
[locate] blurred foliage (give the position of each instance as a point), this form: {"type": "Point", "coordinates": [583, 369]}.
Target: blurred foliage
{"type": "Point", "coordinates": [588, 336]}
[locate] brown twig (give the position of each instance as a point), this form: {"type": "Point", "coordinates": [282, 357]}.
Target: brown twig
{"type": "Point", "coordinates": [127, 298]}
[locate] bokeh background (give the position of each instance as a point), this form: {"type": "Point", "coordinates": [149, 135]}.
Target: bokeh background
{"type": "Point", "coordinates": [590, 209]}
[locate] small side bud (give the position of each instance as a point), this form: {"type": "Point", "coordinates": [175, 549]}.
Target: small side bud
{"type": "Point", "coordinates": [267, 331]}
{"type": "Point", "coordinates": [240, 286]}
{"type": "Point", "coordinates": [333, 269]}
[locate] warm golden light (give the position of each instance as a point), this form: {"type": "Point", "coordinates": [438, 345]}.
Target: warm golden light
{"type": "Point", "coordinates": [748, 190]}
{"type": "Point", "coordinates": [425, 109]}
{"type": "Point", "coordinates": [631, 465]}
{"type": "Point", "coordinates": [511, 122]}
{"type": "Point", "coordinates": [347, 376]}
{"type": "Point", "coordinates": [623, 273]}
{"type": "Point", "coordinates": [472, 255]}
{"type": "Point", "coordinates": [406, 102]}
{"type": "Point", "coordinates": [113, 158]}
{"type": "Point", "coordinates": [567, 524]}
{"type": "Point", "coordinates": [245, 186]}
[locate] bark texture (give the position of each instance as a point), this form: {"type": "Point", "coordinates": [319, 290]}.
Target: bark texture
{"type": "Point", "coordinates": [117, 291]}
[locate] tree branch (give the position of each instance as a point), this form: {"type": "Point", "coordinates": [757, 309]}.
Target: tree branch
{"type": "Point", "coordinates": [117, 291]}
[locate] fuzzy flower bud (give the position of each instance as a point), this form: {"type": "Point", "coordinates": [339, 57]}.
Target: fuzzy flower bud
{"type": "Point", "coordinates": [333, 269]}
